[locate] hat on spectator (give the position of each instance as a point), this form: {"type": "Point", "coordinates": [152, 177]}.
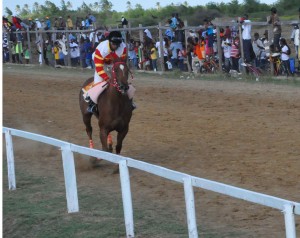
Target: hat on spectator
{"type": "Point", "coordinates": [60, 17]}
{"type": "Point", "coordinates": [30, 19]}
{"type": "Point", "coordinates": [36, 19]}
{"type": "Point", "coordinates": [47, 17]}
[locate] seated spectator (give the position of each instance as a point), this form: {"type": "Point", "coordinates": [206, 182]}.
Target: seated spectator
{"type": "Point", "coordinates": [69, 23]}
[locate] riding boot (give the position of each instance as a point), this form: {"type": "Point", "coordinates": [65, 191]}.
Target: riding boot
{"type": "Point", "coordinates": [92, 107]}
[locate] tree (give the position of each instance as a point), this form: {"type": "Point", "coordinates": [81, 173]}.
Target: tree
{"type": "Point", "coordinates": [8, 11]}
{"type": "Point", "coordinates": [128, 3]}
{"type": "Point", "coordinates": [69, 5]}
{"type": "Point", "coordinates": [36, 7]}
{"type": "Point", "coordinates": [106, 5]}
{"type": "Point", "coordinates": [158, 6]}
{"type": "Point", "coordinates": [18, 9]}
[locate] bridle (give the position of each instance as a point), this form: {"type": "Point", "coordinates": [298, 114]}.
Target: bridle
{"type": "Point", "coordinates": [119, 86]}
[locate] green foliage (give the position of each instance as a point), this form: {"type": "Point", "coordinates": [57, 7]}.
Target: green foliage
{"type": "Point", "coordinates": [103, 12]}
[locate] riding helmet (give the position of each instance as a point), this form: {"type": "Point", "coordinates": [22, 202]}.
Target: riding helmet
{"type": "Point", "coordinates": [115, 37]}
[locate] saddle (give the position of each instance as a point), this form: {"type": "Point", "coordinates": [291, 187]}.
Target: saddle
{"type": "Point", "coordinates": [92, 91]}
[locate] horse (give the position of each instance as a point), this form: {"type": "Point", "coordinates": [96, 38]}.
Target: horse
{"type": "Point", "coordinates": [114, 108]}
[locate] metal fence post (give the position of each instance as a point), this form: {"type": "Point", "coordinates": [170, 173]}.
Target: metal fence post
{"type": "Point", "coordinates": [126, 197]}
{"type": "Point", "coordinates": [10, 161]}
{"type": "Point", "coordinates": [70, 178]}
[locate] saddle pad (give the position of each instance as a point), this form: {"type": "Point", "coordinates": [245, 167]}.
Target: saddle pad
{"type": "Point", "coordinates": [96, 90]}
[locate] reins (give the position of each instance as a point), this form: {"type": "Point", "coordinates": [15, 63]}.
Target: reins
{"type": "Point", "coordinates": [115, 83]}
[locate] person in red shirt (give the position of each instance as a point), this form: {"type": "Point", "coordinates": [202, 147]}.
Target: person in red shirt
{"type": "Point", "coordinates": [105, 53]}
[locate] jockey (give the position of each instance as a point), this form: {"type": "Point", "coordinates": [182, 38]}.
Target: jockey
{"type": "Point", "coordinates": [106, 51]}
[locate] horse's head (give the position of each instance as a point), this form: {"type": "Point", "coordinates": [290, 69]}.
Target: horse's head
{"type": "Point", "coordinates": [120, 73]}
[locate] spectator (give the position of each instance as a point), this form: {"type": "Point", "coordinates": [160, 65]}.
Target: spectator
{"type": "Point", "coordinates": [38, 24]}
{"type": "Point", "coordinates": [235, 53]}
{"type": "Point", "coordinates": [124, 21]}
{"type": "Point", "coordinates": [226, 46]}
{"type": "Point", "coordinates": [258, 48]}
{"type": "Point", "coordinates": [173, 48]}
{"type": "Point", "coordinates": [69, 23]}
{"type": "Point", "coordinates": [173, 22]}
{"type": "Point", "coordinates": [5, 48]}
{"type": "Point", "coordinates": [56, 52]}
{"type": "Point", "coordinates": [246, 36]}
{"type": "Point", "coordinates": [48, 53]}
{"type": "Point", "coordinates": [92, 19]}
{"type": "Point", "coordinates": [48, 24]}
{"type": "Point", "coordinates": [19, 52]}
{"type": "Point", "coordinates": [285, 56]}
{"type": "Point", "coordinates": [190, 51]}
{"type": "Point", "coordinates": [210, 37]}
{"type": "Point", "coordinates": [153, 57]}
{"type": "Point", "coordinates": [199, 54]}
{"type": "Point", "coordinates": [295, 38]}
{"type": "Point", "coordinates": [89, 50]}
{"type": "Point", "coordinates": [180, 59]}
{"type": "Point", "coordinates": [61, 24]}
{"type": "Point", "coordinates": [74, 53]}
{"type": "Point", "coordinates": [26, 55]}
{"type": "Point", "coordinates": [87, 23]}
{"type": "Point", "coordinates": [13, 51]}
{"type": "Point", "coordinates": [132, 54]}
{"type": "Point", "coordinates": [274, 20]}
{"type": "Point", "coordinates": [56, 23]}
{"type": "Point", "coordinates": [82, 52]}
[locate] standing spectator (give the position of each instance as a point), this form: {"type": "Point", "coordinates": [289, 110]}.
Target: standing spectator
{"type": "Point", "coordinates": [180, 59]}
{"type": "Point", "coordinates": [61, 24]}
{"type": "Point", "coordinates": [82, 52]}
{"type": "Point", "coordinates": [153, 57]}
{"type": "Point", "coordinates": [74, 53]}
{"type": "Point", "coordinates": [295, 38]}
{"type": "Point", "coordinates": [48, 53]}
{"type": "Point", "coordinates": [226, 46]}
{"type": "Point", "coordinates": [19, 52]}
{"type": "Point", "coordinates": [246, 35]}
{"type": "Point", "coordinates": [124, 21]}
{"type": "Point", "coordinates": [92, 19]}
{"type": "Point", "coordinates": [89, 50]}
{"type": "Point", "coordinates": [87, 23]}
{"type": "Point", "coordinates": [5, 48]}
{"type": "Point", "coordinates": [69, 23]}
{"type": "Point", "coordinates": [173, 48]}
{"type": "Point", "coordinates": [56, 52]}
{"type": "Point", "coordinates": [210, 37]}
{"type": "Point", "coordinates": [285, 56]}
{"type": "Point", "coordinates": [274, 20]}
{"type": "Point", "coordinates": [132, 54]}
{"type": "Point", "coordinates": [258, 48]}
{"type": "Point", "coordinates": [56, 23]}
{"type": "Point", "coordinates": [235, 53]}
{"type": "Point", "coordinates": [26, 55]}
{"type": "Point", "coordinates": [38, 24]}
{"type": "Point", "coordinates": [48, 24]}
{"type": "Point", "coordinates": [199, 49]}
{"type": "Point", "coordinates": [190, 51]}
{"type": "Point", "coordinates": [13, 51]}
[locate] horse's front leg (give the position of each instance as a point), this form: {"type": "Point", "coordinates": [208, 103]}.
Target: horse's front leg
{"type": "Point", "coordinates": [103, 139]}
{"type": "Point", "coordinates": [120, 138]}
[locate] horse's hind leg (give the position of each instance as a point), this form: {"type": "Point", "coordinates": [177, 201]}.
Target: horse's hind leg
{"type": "Point", "coordinates": [109, 143]}
{"type": "Point", "coordinates": [88, 128]}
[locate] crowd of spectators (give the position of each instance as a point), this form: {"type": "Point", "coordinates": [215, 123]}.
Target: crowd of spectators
{"type": "Point", "coordinates": [175, 54]}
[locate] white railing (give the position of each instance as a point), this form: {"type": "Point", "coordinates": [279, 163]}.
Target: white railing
{"type": "Point", "coordinates": [289, 208]}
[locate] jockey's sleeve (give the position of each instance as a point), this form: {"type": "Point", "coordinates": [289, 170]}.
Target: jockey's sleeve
{"type": "Point", "coordinates": [99, 65]}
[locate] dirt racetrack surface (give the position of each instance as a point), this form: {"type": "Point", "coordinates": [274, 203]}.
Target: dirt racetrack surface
{"type": "Point", "coordinates": [238, 133]}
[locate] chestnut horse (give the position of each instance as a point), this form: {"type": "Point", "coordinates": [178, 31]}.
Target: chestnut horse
{"type": "Point", "coordinates": [114, 108]}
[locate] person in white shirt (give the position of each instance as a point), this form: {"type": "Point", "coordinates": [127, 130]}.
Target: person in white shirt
{"type": "Point", "coordinates": [246, 36]}
{"type": "Point", "coordinates": [226, 45]}
{"type": "Point", "coordinates": [295, 38]}
{"type": "Point", "coordinates": [285, 56]}
{"type": "Point", "coordinates": [258, 48]}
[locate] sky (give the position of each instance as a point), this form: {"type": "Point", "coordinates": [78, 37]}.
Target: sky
{"type": "Point", "coordinates": [118, 5]}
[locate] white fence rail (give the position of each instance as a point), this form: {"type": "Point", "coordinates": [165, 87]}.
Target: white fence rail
{"type": "Point", "coordinates": [289, 208]}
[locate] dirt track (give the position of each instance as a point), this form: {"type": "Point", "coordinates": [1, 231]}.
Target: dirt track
{"type": "Point", "coordinates": [241, 134]}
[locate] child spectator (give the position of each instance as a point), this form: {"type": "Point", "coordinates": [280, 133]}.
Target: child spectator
{"type": "Point", "coordinates": [235, 53]}
{"type": "Point", "coordinates": [285, 56]}
{"type": "Point", "coordinates": [89, 50]}
{"type": "Point", "coordinates": [153, 57]}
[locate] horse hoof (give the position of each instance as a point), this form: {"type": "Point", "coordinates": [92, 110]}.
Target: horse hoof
{"type": "Point", "coordinates": [110, 148]}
